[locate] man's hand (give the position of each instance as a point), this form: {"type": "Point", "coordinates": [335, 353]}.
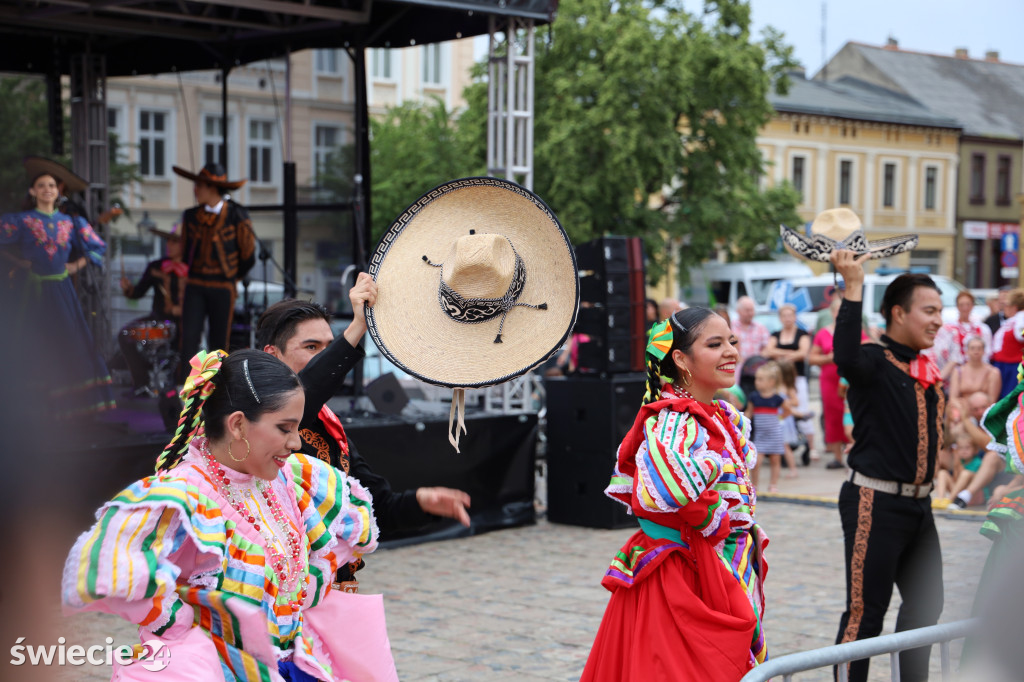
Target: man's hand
{"type": "Point", "coordinates": [126, 285]}
{"type": "Point", "coordinates": [446, 502]}
{"type": "Point", "coordinates": [363, 294]}
{"type": "Point", "coordinates": [851, 267]}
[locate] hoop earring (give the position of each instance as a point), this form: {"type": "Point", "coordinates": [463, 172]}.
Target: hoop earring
{"type": "Point", "coordinates": [686, 380]}
{"type": "Point", "coordinates": [247, 450]}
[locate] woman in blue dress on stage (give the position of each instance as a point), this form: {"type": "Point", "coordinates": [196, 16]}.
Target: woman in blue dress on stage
{"type": "Point", "coordinates": [56, 339]}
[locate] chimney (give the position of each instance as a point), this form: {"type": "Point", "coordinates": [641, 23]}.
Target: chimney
{"type": "Point", "coordinates": [960, 53]}
{"type": "Point", "coordinates": [992, 56]}
{"type": "Point", "coordinates": [892, 44]}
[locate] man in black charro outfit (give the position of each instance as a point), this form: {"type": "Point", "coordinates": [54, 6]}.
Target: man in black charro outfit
{"type": "Point", "coordinates": [220, 248]}
{"type": "Point", "coordinates": [299, 333]}
{"type": "Point", "coordinates": [897, 405]}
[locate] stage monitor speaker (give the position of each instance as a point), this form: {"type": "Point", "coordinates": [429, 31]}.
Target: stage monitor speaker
{"type": "Point", "coordinates": [387, 395]}
{"type": "Point", "coordinates": [587, 418]}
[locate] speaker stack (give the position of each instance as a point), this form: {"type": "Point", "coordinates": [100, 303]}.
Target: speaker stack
{"type": "Point", "coordinates": [611, 326]}
{"type": "Point", "coordinates": [589, 412]}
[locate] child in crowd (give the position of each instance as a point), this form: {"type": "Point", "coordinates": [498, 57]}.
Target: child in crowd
{"type": "Point", "coordinates": [790, 436]}
{"type": "Point", "coordinates": [763, 409]}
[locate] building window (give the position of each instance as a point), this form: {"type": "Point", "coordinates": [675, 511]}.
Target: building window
{"type": "Point", "coordinates": [977, 195]}
{"type": "Point", "coordinates": [1003, 180]}
{"type": "Point", "coordinates": [380, 64]}
{"type": "Point", "coordinates": [931, 180]}
{"type": "Point", "coordinates": [889, 186]}
{"type": "Point", "coordinates": [433, 66]}
{"type": "Point", "coordinates": [927, 260]}
{"type": "Point", "coordinates": [213, 139]}
{"type": "Point", "coordinates": [845, 182]}
{"type": "Point", "coordinates": [328, 62]}
{"type": "Point", "coordinates": [152, 143]}
{"type": "Point", "coordinates": [326, 140]}
{"type": "Point", "coordinates": [798, 175]}
{"type": "Point", "coordinates": [261, 151]}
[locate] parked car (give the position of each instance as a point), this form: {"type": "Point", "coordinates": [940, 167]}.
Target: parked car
{"type": "Point", "coordinates": [819, 290]}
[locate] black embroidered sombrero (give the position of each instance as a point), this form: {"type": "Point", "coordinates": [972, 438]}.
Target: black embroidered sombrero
{"type": "Point", "coordinates": [212, 173]}
{"type": "Point", "coordinates": [840, 228]}
{"type": "Point", "coordinates": [477, 284]}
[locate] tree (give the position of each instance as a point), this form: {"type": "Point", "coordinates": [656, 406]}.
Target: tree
{"type": "Point", "coordinates": [646, 124]}
{"type": "Point", "coordinates": [414, 147]}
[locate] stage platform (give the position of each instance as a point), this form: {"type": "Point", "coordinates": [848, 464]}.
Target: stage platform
{"type": "Point", "coordinates": [496, 465]}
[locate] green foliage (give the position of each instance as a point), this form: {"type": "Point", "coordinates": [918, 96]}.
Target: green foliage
{"type": "Point", "coordinates": [636, 100]}
{"type": "Point", "coordinates": [414, 147]}
{"type": "Point", "coordinates": [23, 115]}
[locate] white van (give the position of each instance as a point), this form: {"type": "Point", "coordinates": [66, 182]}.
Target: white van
{"type": "Point", "coordinates": [727, 282]}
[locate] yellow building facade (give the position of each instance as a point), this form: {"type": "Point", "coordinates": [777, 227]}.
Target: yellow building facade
{"type": "Point", "coordinates": [898, 178]}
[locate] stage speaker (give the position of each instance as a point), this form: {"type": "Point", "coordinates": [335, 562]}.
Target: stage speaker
{"type": "Point", "coordinates": [611, 317]}
{"type": "Point", "coordinates": [587, 418]}
{"type": "Point", "coordinates": [387, 395]}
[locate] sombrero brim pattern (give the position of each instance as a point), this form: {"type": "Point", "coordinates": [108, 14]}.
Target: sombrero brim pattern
{"type": "Point", "coordinates": [818, 247]}
{"type": "Point", "coordinates": [37, 165]}
{"type": "Point", "coordinates": [225, 184]}
{"type": "Point", "coordinates": [407, 323]}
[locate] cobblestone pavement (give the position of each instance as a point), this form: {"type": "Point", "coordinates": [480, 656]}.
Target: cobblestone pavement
{"type": "Point", "coordinates": [524, 604]}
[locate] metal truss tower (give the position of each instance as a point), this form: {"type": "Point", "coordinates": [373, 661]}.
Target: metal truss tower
{"type": "Point", "coordinates": [510, 100]}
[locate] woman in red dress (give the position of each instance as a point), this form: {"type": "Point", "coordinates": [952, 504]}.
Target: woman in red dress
{"type": "Point", "coordinates": [686, 598]}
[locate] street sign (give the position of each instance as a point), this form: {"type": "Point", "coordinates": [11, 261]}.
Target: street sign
{"type": "Point", "coordinates": [1009, 273]}
{"type": "Point", "coordinates": [1009, 242]}
{"type": "Point", "coordinates": [1008, 259]}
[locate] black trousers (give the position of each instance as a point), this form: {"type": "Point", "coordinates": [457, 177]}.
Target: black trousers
{"type": "Point", "coordinates": [890, 540]}
{"type": "Point", "coordinates": [213, 301]}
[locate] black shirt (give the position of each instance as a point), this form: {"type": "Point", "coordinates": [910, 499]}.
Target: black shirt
{"type": "Point", "coordinates": [897, 423]}
{"type": "Point", "coordinates": [801, 368]}
{"type": "Point", "coordinates": [995, 321]}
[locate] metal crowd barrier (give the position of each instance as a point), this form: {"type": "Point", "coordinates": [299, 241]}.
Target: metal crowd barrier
{"type": "Point", "coordinates": [891, 644]}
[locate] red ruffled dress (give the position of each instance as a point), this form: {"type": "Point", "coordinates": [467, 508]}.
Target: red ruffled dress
{"type": "Point", "coordinates": [686, 598]}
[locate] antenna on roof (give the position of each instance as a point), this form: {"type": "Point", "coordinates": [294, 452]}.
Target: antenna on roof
{"type": "Point", "coordinates": [824, 54]}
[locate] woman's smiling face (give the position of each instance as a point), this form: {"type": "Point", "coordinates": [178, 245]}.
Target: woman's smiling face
{"type": "Point", "coordinates": [272, 438]}
{"type": "Point", "coordinates": [712, 358]}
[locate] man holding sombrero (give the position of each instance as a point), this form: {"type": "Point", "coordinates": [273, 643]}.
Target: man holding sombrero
{"type": "Point", "coordinates": [219, 248]}
{"type": "Point", "coordinates": [897, 402]}
{"type": "Point", "coordinates": [166, 277]}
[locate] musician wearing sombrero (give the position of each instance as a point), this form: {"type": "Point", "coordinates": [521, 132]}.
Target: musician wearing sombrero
{"type": "Point", "coordinates": [166, 277]}
{"type": "Point", "coordinates": [219, 247]}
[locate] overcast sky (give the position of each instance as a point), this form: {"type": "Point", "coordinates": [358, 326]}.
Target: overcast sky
{"type": "Point", "coordinates": [935, 26]}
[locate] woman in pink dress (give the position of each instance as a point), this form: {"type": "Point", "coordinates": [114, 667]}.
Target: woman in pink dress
{"type": "Point", "coordinates": [831, 401]}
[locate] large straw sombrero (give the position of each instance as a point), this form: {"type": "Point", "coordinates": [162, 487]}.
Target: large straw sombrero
{"type": "Point", "coordinates": [477, 284]}
{"type": "Point", "coordinates": [212, 173]}
{"type": "Point", "coordinates": [840, 228]}
{"type": "Point", "coordinates": [37, 165]}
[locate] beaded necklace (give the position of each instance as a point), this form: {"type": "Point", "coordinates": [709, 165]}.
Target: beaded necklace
{"type": "Point", "coordinates": [288, 568]}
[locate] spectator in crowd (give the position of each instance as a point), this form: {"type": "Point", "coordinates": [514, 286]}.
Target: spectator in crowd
{"type": "Point", "coordinates": [950, 349]}
{"type": "Point", "coordinates": [668, 307]}
{"type": "Point", "coordinates": [825, 316]}
{"type": "Point", "coordinates": [975, 374]}
{"type": "Point", "coordinates": [968, 442]}
{"type": "Point", "coordinates": [831, 401]}
{"type": "Point", "coordinates": [1008, 341]}
{"type": "Point", "coordinates": [794, 344]}
{"type": "Point", "coordinates": [722, 310]}
{"type": "Point", "coordinates": [753, 336]}
{"type": "Point", "coordinates": [766, 406]}
{"type": "Point", "coordinates": [995, 320]}
{"type": "Point", "coordinates": [650, 312]}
